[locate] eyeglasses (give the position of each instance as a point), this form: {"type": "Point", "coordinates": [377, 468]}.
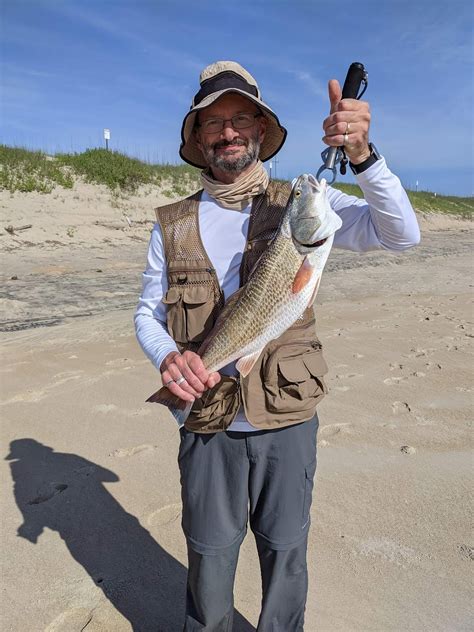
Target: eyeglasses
{"type": "Point", "coordinates": [239, 121]}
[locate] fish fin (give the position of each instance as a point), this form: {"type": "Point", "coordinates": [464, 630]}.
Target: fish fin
{"type": "Point", "coordinates": [177, 407]}
{"type": "Point", "coordinates": [245, 363]}
{"type": "Point", "coordinates": [303, 276]}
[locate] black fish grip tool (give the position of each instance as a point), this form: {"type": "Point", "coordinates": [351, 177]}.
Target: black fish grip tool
{"type": "Point", "coordinates": [356, 76]}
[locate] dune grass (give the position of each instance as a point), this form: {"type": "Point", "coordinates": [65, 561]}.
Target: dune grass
{"type": "Point", "coordinates": [426, 201]}
{"type": "Point", "coordinates": [26, 170]}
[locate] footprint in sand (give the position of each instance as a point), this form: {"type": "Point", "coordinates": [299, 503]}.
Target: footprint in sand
{"type": "Point", "coordinates": [394, 380]}
{"type": "Point", "coordinates": [386, 550]}
{"type": "Point", "coordinates": [73, 619]}
{"type": "Point", "coordinates": [419, 352]}
{"type": "Point", "coordinates": [467, 552]}
{"type": "Point", "coordinates": [28, 397]}
{"type": "Point", "coordinates": [340, 376]}
{"type": "Point", "coordinates": [333, 429]}
{"type": "Point", "coordinates": [433, 365]}
{"type": "Point", "coordinates": [464, 389]}
{"type": "Point", "coordinates": [53, 489]}
{"type": "Point", "coordinates": [124, 452]}
{"type": "Point", "coordinates": [164, 515]}
{"type": "Point", "coordinates": [400, 408]}
{"type": "Point", "coordinates": [105, 408]}
{"type": "Point", "coordinates": [408, 449]}
{"type": "Point", "coordinates": [394, 366]}
{"type": "Point", "coordinates": [117, 362]}
{"type": "Point", "coordinates": [65, 376]}
{"type": "Point", "coordinates": [36, 396]}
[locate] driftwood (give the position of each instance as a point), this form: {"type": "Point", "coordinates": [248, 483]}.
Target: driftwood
{"type": "Point", "coordinates": [113, 225]}
{"type": "Point", "coordinates": [13, 229]}
{"type": "Point", "coordinates": [119, 226]}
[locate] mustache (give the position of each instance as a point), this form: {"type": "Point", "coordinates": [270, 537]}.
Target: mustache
{"type": "Point", "coordinates": [227, 143]}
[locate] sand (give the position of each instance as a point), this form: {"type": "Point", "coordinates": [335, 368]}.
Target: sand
{"type": "Point", "coordinates": [90, 486]}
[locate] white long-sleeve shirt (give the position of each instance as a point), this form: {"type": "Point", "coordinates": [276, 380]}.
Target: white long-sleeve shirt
{"type": "Point", "coordinates": [384, 219]}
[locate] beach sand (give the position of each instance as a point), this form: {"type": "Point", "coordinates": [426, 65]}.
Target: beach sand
{"type": "Point", "coordinates": [90, 485]}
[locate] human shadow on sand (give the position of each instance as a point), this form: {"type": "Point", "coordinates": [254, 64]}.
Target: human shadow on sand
{"type": "Point", "coordinates": [65, 493]}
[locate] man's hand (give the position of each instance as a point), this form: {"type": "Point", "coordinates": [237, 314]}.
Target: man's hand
{"type": "Point", "coordinates": [190, 367]}
{"type": "Point", "coordinates": [348, 117]}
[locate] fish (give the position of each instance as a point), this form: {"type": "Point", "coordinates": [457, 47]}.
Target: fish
{"type": "Point", "coordinates": [282, 285]}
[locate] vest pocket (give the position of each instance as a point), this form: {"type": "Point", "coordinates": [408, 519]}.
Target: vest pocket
{"type": "Point", "coordinates": [293, 377]}
{"type": "Point", "coordinates": [198, 305]}
{"type": "Point", "coordinates": [175, 317]}
{"type": "Point", "coordinates": [189, 316]}
{"type": "Point", "coordinates": [217, 407]}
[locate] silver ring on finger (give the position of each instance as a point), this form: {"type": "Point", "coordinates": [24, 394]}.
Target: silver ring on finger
{"type": "Point", "coordinates": [345, 138]}
{"type": "Point", "coordinates": [180, 380]}
{"type": "Point", "coordinates": [168, 383]}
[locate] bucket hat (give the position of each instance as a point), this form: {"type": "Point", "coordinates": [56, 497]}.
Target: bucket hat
{"type": "Point", "coordinates": [216, 80]}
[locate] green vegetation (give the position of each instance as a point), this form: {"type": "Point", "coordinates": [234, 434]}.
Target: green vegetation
{"type": "Point", "coordinates": [426, 201]}
{"type": "Point", "coordinates": [25, 170]}
{"type": "Point", "coordinates": [119, 171]}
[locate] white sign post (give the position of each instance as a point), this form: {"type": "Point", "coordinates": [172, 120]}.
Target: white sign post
{"type": "Point", "coordinates": [107, 138]}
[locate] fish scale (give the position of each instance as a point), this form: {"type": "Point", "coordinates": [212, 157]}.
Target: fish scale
{"type": "Point", "coordinates": [262, 312]}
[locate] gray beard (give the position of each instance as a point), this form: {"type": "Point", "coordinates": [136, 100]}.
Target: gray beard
{"type": "Point", "coordinates": [229, 165]}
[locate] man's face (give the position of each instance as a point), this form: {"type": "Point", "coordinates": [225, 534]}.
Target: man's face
{"type": "Point", "coordinates": [231, 150]}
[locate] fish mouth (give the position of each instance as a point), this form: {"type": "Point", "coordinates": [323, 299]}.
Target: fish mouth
{"type": "Point", "coordinates": [312, 180]}
{"type": "Point", "coordinates": [315, 245]}
{"type": "Point", "coordinates": [314, 183]}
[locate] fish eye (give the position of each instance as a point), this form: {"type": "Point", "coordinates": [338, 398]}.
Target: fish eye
{"type": "Point", "coordinates": [297, 192]}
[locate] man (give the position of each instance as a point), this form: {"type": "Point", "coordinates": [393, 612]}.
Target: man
{"type": "Point", "coordinates": [248, 449]}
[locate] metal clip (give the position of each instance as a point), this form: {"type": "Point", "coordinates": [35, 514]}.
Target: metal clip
{"type": "Point", "coordinates": [331, 156]}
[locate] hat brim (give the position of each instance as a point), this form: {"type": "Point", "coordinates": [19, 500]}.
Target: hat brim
{"type": "Point", "coordinates": [275, 133]}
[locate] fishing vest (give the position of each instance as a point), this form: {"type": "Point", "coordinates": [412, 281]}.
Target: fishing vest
{"type": "Point", "coordinates": [286, 383]}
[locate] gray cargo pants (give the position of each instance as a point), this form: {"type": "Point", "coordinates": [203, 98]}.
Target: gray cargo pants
{"type": "Point", "coordinates": [227, 477]}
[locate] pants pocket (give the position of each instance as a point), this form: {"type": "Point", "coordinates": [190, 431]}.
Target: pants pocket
{"type": "Point", "coordinates": [310, 471]}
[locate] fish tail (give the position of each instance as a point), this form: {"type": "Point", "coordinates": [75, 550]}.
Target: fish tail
{"type": "Point", "coordinates": [177, 407]}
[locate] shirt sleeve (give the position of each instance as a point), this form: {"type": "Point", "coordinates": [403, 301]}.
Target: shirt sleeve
{"type": "Point", "coordinates": [150, 315]}
{"type": "Point", "coordinates": [384, 219]}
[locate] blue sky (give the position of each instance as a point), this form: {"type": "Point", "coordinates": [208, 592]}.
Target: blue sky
{"type": "Point", "coordinates": [69, 68]}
